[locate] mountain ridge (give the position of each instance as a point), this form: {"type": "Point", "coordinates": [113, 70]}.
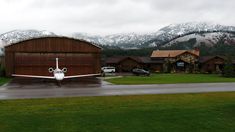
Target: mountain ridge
{"type": "Point", "coordinates": [162, 37]}
{"type": "Point", "coordinates": [158, 38]}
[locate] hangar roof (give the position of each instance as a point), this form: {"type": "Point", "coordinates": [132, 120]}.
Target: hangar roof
{"type": "Point", "coordinates": [4, 44]}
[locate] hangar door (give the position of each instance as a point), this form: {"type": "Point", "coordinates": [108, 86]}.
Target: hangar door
{"type": "Point", "coordinates": [38, 63]}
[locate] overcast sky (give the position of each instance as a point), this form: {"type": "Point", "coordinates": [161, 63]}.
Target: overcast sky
{"type": "Point", "coordinates": [110, 16]}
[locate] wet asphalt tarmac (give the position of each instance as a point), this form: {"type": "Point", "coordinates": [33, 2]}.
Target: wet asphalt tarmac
{"type": "Point", "coordinates": [23, 88]}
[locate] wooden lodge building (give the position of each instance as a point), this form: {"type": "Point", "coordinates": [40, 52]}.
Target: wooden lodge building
{"type": "Point", "coordinates": [127, 63]}
{"type": "Point", "coordinates": [178, 60]}
{"type": "Point", "coordinates": [210, 64]}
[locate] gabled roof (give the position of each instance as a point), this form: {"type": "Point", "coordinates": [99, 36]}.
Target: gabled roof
{"type": "Point", "coordinates": [172, 53]}
{"type": "Point", "coordinates": [112, 60]}
{"type": "Point", "coordinates": [204, 59]}
{"type": "Point", "coordinates": [233, 61]}
{"type": "Point", "coordinates": [118, 59]}
{"type": "Point", "coordinates": [148, 60]}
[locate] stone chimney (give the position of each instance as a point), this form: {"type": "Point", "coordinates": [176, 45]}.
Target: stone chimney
{"type": "Point", "coordinates": [196, 49]}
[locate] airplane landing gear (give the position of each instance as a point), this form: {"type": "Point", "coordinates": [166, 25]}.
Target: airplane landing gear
{"type": "Point", "coordinates": [59, 83]}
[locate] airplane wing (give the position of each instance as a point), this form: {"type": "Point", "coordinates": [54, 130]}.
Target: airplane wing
{"type": "Point", "coordinates": [32, 76]}
{"type": "Point", "coordinates": [77, 76]}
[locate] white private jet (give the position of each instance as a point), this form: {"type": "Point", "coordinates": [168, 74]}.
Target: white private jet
{"type": "Point", "coordinates": [59, 74]}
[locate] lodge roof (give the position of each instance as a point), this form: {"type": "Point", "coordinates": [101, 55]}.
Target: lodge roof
{"type": "Point", "coordinates": [146, 60]}
{"type": "Point", "coordinates": [172, 53]}
{"type": "Point", "coordinates": [204, 59]}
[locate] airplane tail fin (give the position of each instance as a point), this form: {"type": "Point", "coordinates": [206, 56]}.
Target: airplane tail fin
{"type": "Point", "coordinates": [57, 63]}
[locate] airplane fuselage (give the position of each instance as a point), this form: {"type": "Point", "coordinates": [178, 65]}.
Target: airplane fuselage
{"type": "Point", "coordinates": [58, 74]}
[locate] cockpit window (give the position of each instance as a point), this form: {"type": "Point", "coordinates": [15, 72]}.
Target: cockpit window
{"type": "Point", "coordinates": [59, 72]}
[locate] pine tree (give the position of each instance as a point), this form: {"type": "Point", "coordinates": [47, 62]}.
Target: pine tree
{"type": "Point", "coordinates": [229, 70]}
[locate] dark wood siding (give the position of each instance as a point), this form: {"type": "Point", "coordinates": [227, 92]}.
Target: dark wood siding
{"type": "Point", "coordinates": [34, 57]}
{"type": "Point", "coordinates": [155, 67]}
{"type": "Point", "coordinates": [128, 64]}
{"type": "Point", "coordinates": [212, 65]}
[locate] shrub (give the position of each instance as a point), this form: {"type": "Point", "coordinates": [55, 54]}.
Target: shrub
{"type": "Point", "coordinates": [2, 72]}
{"type": "Point", "coordinates": [229, 70]}
{"type": "Point", "coordinates": [168, 67]}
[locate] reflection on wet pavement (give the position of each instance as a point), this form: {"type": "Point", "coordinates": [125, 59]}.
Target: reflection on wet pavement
{"type": "Point", "coordinates": [31, 83]}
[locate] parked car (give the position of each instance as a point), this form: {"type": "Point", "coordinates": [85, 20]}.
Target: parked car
{"type": "Point", "coordinates": [108, 69]}
{"type": "Point", "coordinates": [138, 72]}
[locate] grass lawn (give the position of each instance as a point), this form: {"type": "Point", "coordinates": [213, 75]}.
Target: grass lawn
{"type": "Point", "coordinates": [171, 79]}
{"type": "Point", "coordinates": [4, 80]}
{"type": "Point", "coordinates": [146, 113]}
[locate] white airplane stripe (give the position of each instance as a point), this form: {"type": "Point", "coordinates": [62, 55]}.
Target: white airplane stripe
{"type": "Point", "coordinates": [32, 76]}
{"type": "Point", "coordinates": [50, 77]}
{"type": "Point", "coordinates": [77, 76]}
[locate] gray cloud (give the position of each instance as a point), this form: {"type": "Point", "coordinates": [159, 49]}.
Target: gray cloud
{"type": "Point", "coordinates": [110, 16]}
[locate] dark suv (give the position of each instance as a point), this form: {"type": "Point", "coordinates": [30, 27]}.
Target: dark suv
{"type": "Point", "coordinates": [139, 72]}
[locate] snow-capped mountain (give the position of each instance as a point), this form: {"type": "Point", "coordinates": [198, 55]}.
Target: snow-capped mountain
{"type": "Point", "coordinates": [126, 40]}
{"type": "Point", "coordinates": [20, 35]}
{"type": "Point", "coordinates": [175, 31]}
{"type": "Point", "coordinates": [210, 39]}
{"type": "Point", "coordinates": [159, 38]}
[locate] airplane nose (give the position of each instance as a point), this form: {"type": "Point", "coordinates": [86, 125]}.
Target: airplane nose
{"type": "Point", "coordinates": [59, 77]}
